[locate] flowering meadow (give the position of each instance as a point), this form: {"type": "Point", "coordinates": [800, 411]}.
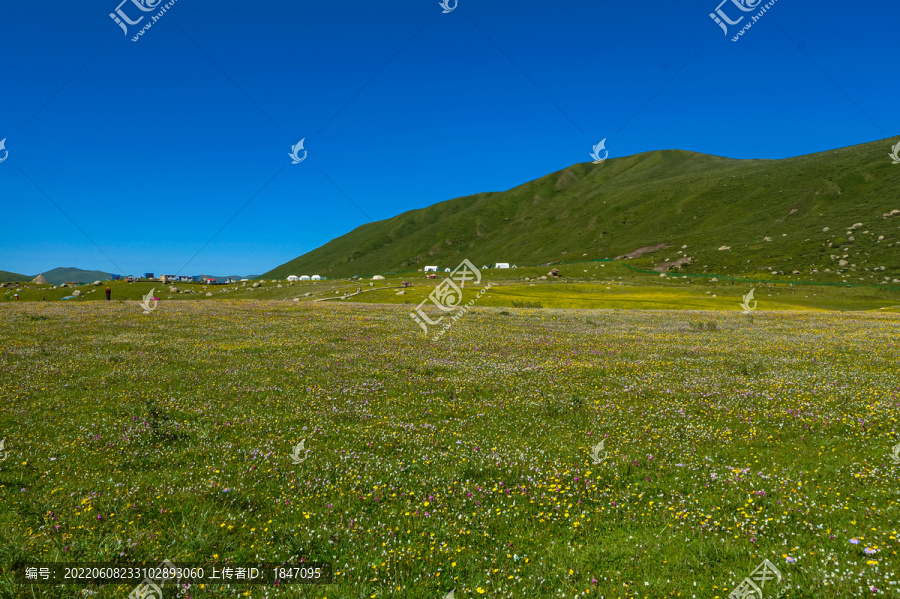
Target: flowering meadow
{"type": "Point", "coordinates": [462, 464]}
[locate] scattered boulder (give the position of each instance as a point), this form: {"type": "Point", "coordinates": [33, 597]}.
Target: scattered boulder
{"type": "Point", "coordinates": [554, 272]}
{"type": "Point", "coordinates": [174, 290]}
{"type": "Point", "coordinates": [97, 283]}
{"type": "Point", "coordinates": [64, 285]}
{"type": "Point", "coordinates": [256, 284]}
{"type": "Point", "coordinates": [714, 280]}
{"type": "Point", "coordinates": [856, 226]}
{"type": "Point", "coordinates": [724, 247]}
{"type": "Point", "coordinates": [843, 263]}
{"type": "Point", "coordinates": [279, 285]}
{"type": "Point", "coordinates": [826, 229]}
{"type": "Point", "coordinates": [767, 239]}
{"type": "Point", "coordinates": [401, 293]}
{"type": "Point", "coordinates": [542, 278]}
{"type": "Point", "coordinates": [209, 294]}
{"type": "Point", "coordinates": [890, 214]}
{"type": "Point", "coordinates": [76, 293]}
{"type": "Point", "coordinates": [796, 272]}
{"type": "Point", "coordinates": [296, 299]}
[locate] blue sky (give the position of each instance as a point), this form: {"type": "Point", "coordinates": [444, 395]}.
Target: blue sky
{"type": "Point", "coordinates": [171, 153]}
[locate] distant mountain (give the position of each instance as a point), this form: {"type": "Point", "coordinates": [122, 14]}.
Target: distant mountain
{"type": "Point", "coordinates": [11, 277]}
{"type": "Point", "coordinates": [61, 275]}
{"type": "Point", "coordinates": [733, 216]}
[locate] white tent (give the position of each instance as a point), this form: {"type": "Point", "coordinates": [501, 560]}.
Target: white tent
{"type": "Point", "coordinates": [431, 269]}
{"type": "Point", "coordinates": [377, 278]}
{"type": "Point", "coordinates": [304, 278]}
{"type": "Point", "coordinates": [503, 265]}
{"type": "Point", "coordinates": [447, 270]}
{"type": "Point", "coordinates": [316, 278]}
{"type": "Point", "coordinates": [293, 278]}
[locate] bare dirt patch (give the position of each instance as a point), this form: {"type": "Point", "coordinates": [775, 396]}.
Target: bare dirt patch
{"type": "Point", "coordinates": [644, 250]}
{"type": "Point", "coordinates": [664, 266]}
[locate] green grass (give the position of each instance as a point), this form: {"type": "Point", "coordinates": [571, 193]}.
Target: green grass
{"type": "Point", "coordinates": [679, 198]}
{"type": "Point", "coordinates": [589, 285]}
{"type": "Point", "coordinates": [461, 464]}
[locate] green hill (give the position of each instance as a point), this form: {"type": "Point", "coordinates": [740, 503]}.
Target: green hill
{"type": "Point", "coordinates": [11, 277]}
{"type": "Point", "coordinates": [769, 214]}
{"type": "Point", "coordinates": [61, 275]}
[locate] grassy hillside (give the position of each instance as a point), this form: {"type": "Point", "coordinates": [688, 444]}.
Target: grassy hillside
{"type": "Point", "coordinates": [61, 275]}
{"type": "Point", "coordinates": [12, 277]}
{"type": "Point", "coordinates": [770, 214]}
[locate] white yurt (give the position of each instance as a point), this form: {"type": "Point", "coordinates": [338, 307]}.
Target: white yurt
{"type": "Point", "coordinates": [304, 278]}
{"type": "Point", "coordinates": [316, 278]}
{"type": "Point", "coordinates": [293, 278]}
{"type": "Point", "coordinates": [377, 278]}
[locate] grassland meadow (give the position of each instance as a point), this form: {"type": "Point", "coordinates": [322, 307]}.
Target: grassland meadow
{"type": "Point", "coordinates": [461, 465]}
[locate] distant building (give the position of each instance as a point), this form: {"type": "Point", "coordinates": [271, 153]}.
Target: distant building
{"type": "Point", "coordinates": [149, 275]}
{"type": "Point", "coordinates": [502, 265]}
{"type": "Point", "coordinates": [431, 269]}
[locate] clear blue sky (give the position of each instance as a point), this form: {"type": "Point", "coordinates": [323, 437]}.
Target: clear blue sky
{"type": "Point", "coordinates": [152, 147]}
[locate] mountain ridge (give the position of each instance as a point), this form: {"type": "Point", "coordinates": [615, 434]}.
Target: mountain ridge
{"type": "Point", "coordinates": [675, 197]}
